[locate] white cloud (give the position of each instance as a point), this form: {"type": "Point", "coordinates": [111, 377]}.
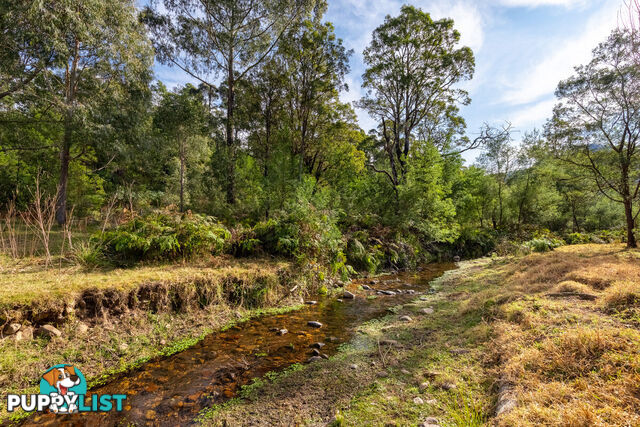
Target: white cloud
{"type": "Point", "coordinates": [562, 56]}
{"type": "Point", "coordinates": [533, 115]}
{"type": "Point", "coordinates": [538, 3]}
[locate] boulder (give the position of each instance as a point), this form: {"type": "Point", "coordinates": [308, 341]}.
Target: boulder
{"type": "Point", "coordinates": [25, 333]}
{"type": "Point", "coordinates": [47, 331]}
{"type": "Point", "coordinates": [82, 328]}
{"type": "Point", "coordinates": [11, 328]}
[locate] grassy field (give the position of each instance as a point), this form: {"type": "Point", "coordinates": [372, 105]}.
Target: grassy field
{"type": "Point", "coordinates": [28, 280]}
{"type": "Point", "coordinates": [118, 342]}
{"type": "Point", "coordinates": [546, 339]}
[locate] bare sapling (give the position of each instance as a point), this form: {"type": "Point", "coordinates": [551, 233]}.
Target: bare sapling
{"type": "Point", "coordinates": [8, 231]}
{"type": "Point", "coordinates": [40, 217]}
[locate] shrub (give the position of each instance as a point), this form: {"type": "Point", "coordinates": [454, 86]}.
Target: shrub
{"type": "Point", "coordinates": [544, 244]}
{"type": "Point", "coordinates": [577, 238]}
{"type": "Point", "coordinates": [161, 237]}
{"type": "Point", "coordinates": [474, 243]}
{"type": "Point", "coordinates": [305, 233]}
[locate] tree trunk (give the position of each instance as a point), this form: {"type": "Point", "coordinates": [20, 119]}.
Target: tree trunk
{"type": "Point", "coordinates": [231, 158]}
{"type": "Point", "coordinates": [628, 212]}
{"type": "Point", "coordinates": [182, 168]}
{"type": "Point", "coordinates": [61, 202]}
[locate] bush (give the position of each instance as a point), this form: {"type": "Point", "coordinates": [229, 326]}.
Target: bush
{"type": "Point", "coordinates": [304, 234]}
{"type": "Point", "coordinates": [543, 244]}
{"type": "Point", "coordinates": [474, 243]}
{"type": "Point", "coordinates": [161, 237]}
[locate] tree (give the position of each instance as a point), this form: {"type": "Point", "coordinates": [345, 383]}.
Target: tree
{"type": "Point", "coordinates": [101, 47]}
{"type": "Point", "coordinates": [181, 120]}
{"type": "Point", "coordinates": [596, 124]}
{"type": "Point", "coordinates": [28, 41]}
{"type": "Point", "coordinates": [314, 64]}
{"type": "Point", "coordinates": [204, 37]}
{"type": "Point", "coordinates": [499, 159]}
{"type": "Point", "coordinates": [413, 64]}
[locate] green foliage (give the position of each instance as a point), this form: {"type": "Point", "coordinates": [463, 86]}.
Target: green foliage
{"type": "Point", "coordinates": [163, 237]}
{"type": "Point", "coordinates": [474, 243]}
{"type": "Point", "coordinates": [543, 244]}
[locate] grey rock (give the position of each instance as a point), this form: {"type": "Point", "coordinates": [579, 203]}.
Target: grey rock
{"type": "Point", "coordinates": [388, 292]}
{"type": "Point", "coordinates": [282, 332]}
{"type": "Point", "coordinates": [449, 386]}
{"type": "Point", "coordinates": [122, 347]}
{"type": "Point", "coordinates": [82, 328]}
{"type": "Point", "coordinates": [25, 333]}
{"type": "Point", "coordinates": [366, 287]}
{"type": "Point", "coordinates": [11, 328]}
{"type": "Point", "coordinates": [339, 300]}
{"type": "Point", "coordinates": [317, 345]}
{"type": "Point", "coordinates": [314, 359]}
{"type": "Point", "coordinates": [348, 295]}
{"type": "Point", "coordinates": [428, 310]}
{"type": "Point", "coordinates": [406, 318]}
{"type": "Point", "coordinates": [314, 324]}
{"type": "Point", "coordinates": [332, 339]}
{"type": "Point", "coordinates": [311, 302]}
{"type": "Point", "coordinates": [418, 401]}
{"type": "Point", "coordinates": [424, 298]}
{"type": "Point", "coordinates": [315, 352]}
{"type": "Point", "coordinates": [47, 331]}
{"type": "Point", "coordinates": [324, 356]}
{"type": "Point", "coordinates": [423, 386]}
{"type": "Point", "coordinates": [353, 366]}
{"type": "Point", "coordinates": [430, 422]}
{"type": "Point", "coordinates": [456, 258]}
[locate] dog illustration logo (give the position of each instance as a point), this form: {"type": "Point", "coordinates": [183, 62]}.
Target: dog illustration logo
{"type": "Point", "coordinates": [66, 381]}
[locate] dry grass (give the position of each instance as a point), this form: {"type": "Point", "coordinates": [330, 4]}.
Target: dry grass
{"type": "Point", "coordinates": [572, 362]}
{"type": "Point", "coordinates": [28, 281]}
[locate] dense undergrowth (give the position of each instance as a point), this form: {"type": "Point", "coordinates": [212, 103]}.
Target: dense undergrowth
{"type": "Point", "coordinates": [308, 235]}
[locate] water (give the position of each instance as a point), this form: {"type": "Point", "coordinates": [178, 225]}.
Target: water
{"type": "Point", "coordinates": [173, 390]}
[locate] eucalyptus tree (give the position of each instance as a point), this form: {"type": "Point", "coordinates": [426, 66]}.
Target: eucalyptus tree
{"type": "Point", "coordinates": [99, 47]}
{"type": "Point", "coordinates": [206, 37]}
{"type": "Point", "coordinates": [27, 43]}
{"type": "Point", "coordinates": [315, 63]}
{"type": "Point", "coordinates": [596, 123]}
{"type": "Point", "coordinates": [499, 160]}
{"type": "Point", "coordinates": [413, 66]}
{"type": "Point", "coordinates": [181, 120]}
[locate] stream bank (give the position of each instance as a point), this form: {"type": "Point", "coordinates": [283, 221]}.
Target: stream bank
{"type": "Point", "coordinates": [175, 390]}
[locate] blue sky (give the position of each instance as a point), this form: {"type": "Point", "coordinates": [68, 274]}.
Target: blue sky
{"type": "Point", "coordinates": [522, 49]}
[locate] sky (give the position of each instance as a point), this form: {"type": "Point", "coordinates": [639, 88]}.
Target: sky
{"type": "Point", "coordinates": [522, 48]}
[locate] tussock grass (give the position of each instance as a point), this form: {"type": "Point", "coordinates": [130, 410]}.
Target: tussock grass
{"type": "Point", "coordinates": [572, 362]}
{"type": "Point", "coordinates": [28, 281]}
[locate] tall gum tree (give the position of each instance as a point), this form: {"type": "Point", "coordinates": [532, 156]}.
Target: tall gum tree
{"type": "Point", "coordinates": [207, 37]}
{"type": "Point", "coordinates": [596, 124]}
{"type": "Point", "coordinates": [102, 45]}
{"type": "Point", "coordinates": [413, 65]}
